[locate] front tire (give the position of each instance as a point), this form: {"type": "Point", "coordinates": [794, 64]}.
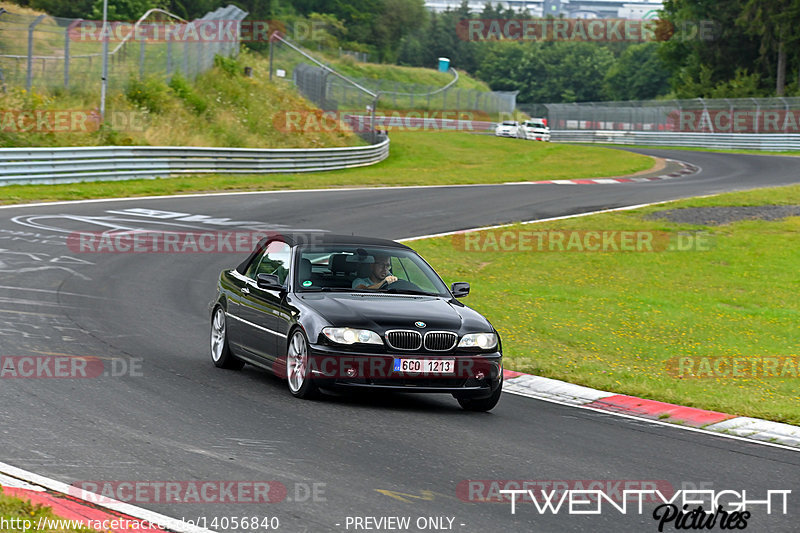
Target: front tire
{"type": "Point", "coordinates": [221, 353]}
{"type": "Point", "coordinates": [481, 404]}
{"type": "Point", "coordinates": [298, 369]}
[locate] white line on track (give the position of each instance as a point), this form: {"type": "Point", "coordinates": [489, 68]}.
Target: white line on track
{"type": "Point", "coordinates": [172, 524]}
{"type": "Point", "coordinates": [482, 228]}
{"type": "Point", "coordinates": [657, 422]}
{"type": "Point", "coordinates": [242, 193]}
{"type": "Point", "coordinates": [284, 191]}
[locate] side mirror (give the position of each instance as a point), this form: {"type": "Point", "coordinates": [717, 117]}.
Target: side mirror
{"type": "Point", "coordinates": [268, 281]}
{"type": "Point", "coordinates": [460, 289]}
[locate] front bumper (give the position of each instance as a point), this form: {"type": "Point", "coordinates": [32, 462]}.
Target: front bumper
{"type": "Point", "coordinates": [476, 375]}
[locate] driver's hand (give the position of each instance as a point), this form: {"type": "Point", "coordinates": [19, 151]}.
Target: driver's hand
{"type": "Point", "coordinates": [390, 279]}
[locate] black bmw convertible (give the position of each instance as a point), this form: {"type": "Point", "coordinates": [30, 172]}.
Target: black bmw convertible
{"type": "Point", "coordinates": [335, 311]}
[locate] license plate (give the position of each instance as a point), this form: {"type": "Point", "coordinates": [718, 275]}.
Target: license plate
{"type": "Point", "coordinates": [425, 366]}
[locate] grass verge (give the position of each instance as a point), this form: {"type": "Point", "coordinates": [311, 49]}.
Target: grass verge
{"type": "Point", "coordinates": [406, 75]}
{"type": "Point", "coordinates": [15, 511]}
{"type": "Point", "coordinates": [626, 321]}
{"type": "Point", "coordinates": [417, 158]}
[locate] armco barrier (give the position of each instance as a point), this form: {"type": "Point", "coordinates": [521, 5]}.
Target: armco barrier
{"type": "Point", "coordinates": [67, 165]}
{"type": "Point", "coordinates": [748, 141]}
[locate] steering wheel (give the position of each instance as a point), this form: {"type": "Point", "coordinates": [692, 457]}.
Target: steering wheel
{"type": "Point", "coordinates": [400, 284]}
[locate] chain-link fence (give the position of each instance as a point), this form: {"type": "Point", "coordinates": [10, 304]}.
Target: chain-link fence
{"type": "Point", "coordinates": [533, 110]}
{"type": "Point", "coordinates": [399, 95]}
{"type": "Point", "coordinates": [724, 115]}
{"type": "Point", "coordinates": [331, 92]}
{"type": "Point", "coordinates": [44, 52]}
{"type": "Point", "coordinates": [313, 79]}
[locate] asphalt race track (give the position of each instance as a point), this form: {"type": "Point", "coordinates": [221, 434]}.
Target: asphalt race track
{"type": "Point", "coordinates": [172, 416]}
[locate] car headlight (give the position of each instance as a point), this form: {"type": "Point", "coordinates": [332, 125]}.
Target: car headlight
{"type": "Point", "coordinates": [484, 341]}
{"type": "Point", "coordinates": [352, 336]}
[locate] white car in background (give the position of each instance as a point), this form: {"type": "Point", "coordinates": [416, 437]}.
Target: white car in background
{"type": "Point", "coordinates": [508, 128]}
{"type": "Point", "coordinates": [535, 129]}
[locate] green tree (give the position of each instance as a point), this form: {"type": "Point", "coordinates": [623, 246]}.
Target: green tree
{"type": "Point", "coordinates": [701, 57]}
{"type": "Point", "coordinates": [328, 31]}
{"type": "Point", "coordinates": [59, 8]}
{"type": "Point", "coordinates": [500, 64]}
{"type": "Point", "coordinates": [563, 71]}
{"type": "Point", "coordinates": [775, 22]}
{"type": "Point", "coordinates": [438, 37]}
{"type": "Point", "coordinates": [123, 9]}
{"type": "Point", "coordinates": [397, 19]}
{"type": "Point", "coordinates": [638, 74]}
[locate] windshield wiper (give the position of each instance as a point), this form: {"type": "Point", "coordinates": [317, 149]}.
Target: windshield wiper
{"type": "Point", "coordinates": [372, 291]}
{"type": "Point", "coordinates": [409, 291]}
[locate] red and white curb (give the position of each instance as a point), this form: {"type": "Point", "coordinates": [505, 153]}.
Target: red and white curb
{"type": "Point", "coordinates": [80, 506]}
{"type": "Point", "coordinates": [687, 169]}
{"type": "Point", "coordinates": [553, 390]}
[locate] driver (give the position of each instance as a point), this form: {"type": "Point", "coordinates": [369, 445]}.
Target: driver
{"type": "Point", "coordinates": [379, 274]}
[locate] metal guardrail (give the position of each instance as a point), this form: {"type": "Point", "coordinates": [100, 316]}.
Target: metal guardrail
{"type": "Point", "coordinates": [69, 165]}
{"type": "Point", "coordinates": [747, 141]}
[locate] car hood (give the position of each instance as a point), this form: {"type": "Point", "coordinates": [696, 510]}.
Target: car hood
{"type": "Point", "coordinates": [390, 311]}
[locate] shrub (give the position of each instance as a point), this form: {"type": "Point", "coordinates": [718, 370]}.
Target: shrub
{"type": "Point", "coordinates": [149, 94]}
{"type": "Point", "coordinates": [185, 92]}
{"type": "Point", "coordinates": [228, 65]}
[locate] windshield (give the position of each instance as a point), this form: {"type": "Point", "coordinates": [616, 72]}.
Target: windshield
{"type": "Point", "coordinates": [348, 268]}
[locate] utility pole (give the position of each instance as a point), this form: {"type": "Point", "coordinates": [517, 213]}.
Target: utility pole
{"type": "Point", "coordinates": [104, 87]}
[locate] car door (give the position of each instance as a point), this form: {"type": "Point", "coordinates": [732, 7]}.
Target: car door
{"type": "Point", "coordinates": [260, 309]}
{"type": "Point", "coordinates": [236, 285]}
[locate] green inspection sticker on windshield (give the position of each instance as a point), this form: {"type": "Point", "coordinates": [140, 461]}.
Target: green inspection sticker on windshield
{"type": "Point", "coordinates": [307, 283]}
